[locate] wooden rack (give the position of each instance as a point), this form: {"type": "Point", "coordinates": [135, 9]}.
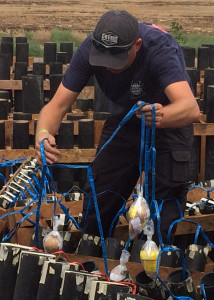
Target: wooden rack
{"type": "Point", "coordinates": [11, 84]}
{"type": "Point", "coordinates": [203, 130]}
{"type": "Point", "coordinates": [77, 155]}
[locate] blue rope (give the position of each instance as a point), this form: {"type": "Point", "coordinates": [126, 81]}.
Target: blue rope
{"type": "Point", "coordinates": [44, 170]}
{"type": "Point", "coordinates": [11, 162]}
{"type": "Point", "coordinates": [142, 148]}
{"type": "Point", "coordinates": [199, 229]}
{"type": "Point", "coordinates": [203, 292]}
{"type": "Point", "coordinates": [166, 249]}
{"type": "Point", "coordinates": [127, 117]}
{"type": "Point", "coordinates": [14, 200]}
{"type": "Point", "coordinates": [157, 214]}
{"type": "Point", "coordinates": [16, 212]}
{"type": "Point", "coordinates": [146, 166]}
{"type": "Point", "coordinates": [87, 212]}
{"type": "Point", "coordinates": [150, 157]}
{"type": "Point", "coordinates": [65, 210]}
{"type": "Point", "coordinates": [153, 151]}
{"type": "Point", "coordinates": [208, 191]}
{"type": "Point", "coordinates": [17, 225]}
{"type": "Point", "coordinates": [91, 180]}
{"type": "Point", "coordinates": [37, 184]}
{"type": "Point", "coordinates": [176, 221]}
{"type": "Point", "coordinates": [149, 162]}
{"type": "Point", "coordinates": [4, 179]}
{"type": "Point", "coordinates": [120, 213]}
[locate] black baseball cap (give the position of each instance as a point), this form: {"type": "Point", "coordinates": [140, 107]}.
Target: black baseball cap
{"type": "Point", "coordinates": [115, 33]}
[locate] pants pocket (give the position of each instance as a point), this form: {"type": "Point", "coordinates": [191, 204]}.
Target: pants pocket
{"type": "Point", "coordinates": [180, 165]}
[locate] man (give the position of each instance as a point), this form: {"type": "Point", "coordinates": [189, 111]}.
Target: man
{"type": "Point", "coordinates": [131, 62]}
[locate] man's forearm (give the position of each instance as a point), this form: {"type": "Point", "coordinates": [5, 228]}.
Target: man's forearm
{"type": "Point", "coordinates": [183, 108]}
{"type": "Point", "coordinates": [49, 120]}
{"type": "Point", "coordinates": [175, 116]}
{"type": "Point", "coordinates": [52, 113]}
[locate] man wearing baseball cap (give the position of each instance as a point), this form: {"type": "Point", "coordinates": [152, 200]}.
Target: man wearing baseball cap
{"type": "Point", "coordinates": [131, 62]}
{"type": "Point", "coordinates": [110, 42]}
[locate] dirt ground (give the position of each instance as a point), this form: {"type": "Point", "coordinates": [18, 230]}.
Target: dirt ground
{"type": "Point", "coordinates": [195, 16]}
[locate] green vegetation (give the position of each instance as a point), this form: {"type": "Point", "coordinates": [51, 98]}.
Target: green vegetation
{"type": "Point", "coordinates": [177, 31]}
{"type": "Point", "coordinates": [191, 40]}
{"type": "Point", "coordinates": [36, 39]}
{"type": "Point", "coordinates": [196, 40]}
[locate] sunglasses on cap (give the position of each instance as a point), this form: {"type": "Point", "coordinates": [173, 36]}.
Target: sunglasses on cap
{"type": "Point", "coordinates": [112, 49]}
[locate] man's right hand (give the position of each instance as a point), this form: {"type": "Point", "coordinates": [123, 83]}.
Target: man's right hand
{"type": "Point", "coordinates": [51, 152]}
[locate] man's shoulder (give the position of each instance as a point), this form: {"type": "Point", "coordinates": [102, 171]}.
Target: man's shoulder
{"type": "Point", "coordinates": [150, 27]}
{"type": "Point", "coordinates": [86, 44]}
{"type": "Point", "coordinates": [154, 37]}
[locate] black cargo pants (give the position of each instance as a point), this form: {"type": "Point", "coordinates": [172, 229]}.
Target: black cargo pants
{"type": "Point", "coordinates": [117, 169]}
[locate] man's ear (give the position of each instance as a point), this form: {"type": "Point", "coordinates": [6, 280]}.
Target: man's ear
{"type": "Point", "coordinates": [138, 44]}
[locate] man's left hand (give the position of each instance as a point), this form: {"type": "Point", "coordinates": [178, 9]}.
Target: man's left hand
{"type": "Point", "coordinates": [147, 109]}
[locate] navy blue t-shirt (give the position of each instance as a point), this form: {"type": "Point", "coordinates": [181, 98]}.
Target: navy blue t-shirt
{"type": "Point", "coordinates": [158, 63]}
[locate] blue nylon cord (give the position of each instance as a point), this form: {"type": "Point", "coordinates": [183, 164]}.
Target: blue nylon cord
{"type": "Point", "coordinates": [50, 175]}
{"type": "Point", "coordinates": [69, 191]}
{"type": "Point", "coordinates": [31, 193]}
{"type": "Point", "coordinates": [65, 210]}
{"type": "Point", "coordinates": [91, 180]}
{"type": "Point", "coordinates": [124, 120]}
{"type": "Point", "coordinates": [203, 292]}
{"type": "Point", "coordinates": [127, 117]}
{"type": "Point", "coordinates": [87, 212]}
{"type": "Point", "coordinates": [44, 170]}
{"type": "Point", "coordinates": [153, 150]}
{"type": "Point", "coordinates": [90, 177]}
{"type": "Point", "coordinates": [23, 195]}
{"type": "Point", "coordinates": [150, 154]}
{"type": "Point", "coordinates": [206, 237]}
{"type": "Point", "coordinates": [10, 214]}
{"type": "Point", "coordinates": [158, 210]}
{"type": "Point", "coordinates": [13, 201]}
{"type": "Point", "coordinates": [199, 228]}
{"type": "Point", "coordinates": [24, 208]}
{"type": "Point", "coordinates": [150, 157]}
{"type": "Point", "coordinates": [69, 166]}
{"type": "Point", "coordinates": [146, 166]}
{"type": "Point", "coordinates": [120, 213]}
{"type": "Point", "coordinates": [11, 162]}
{"type": "Point", "coordinates": [24, 215]}
{"type": "Point", "coordinates": [69, 216]}
{"type": "Point", "coordinates": [129, 241]}
{"type": "Point", "coordinates": [33, 187]}
{"type": "Point", "coordinates": [37, 184]}
{"type": "Point", "coordinates": [53, 184]}
{"type": "Point", "coordinates": [172, 224]}
{"type": "Point", "coordinates": [142, 146]}
{"type": "Point", "coordinates": [54, 210]}
{"type": "Point", "coordinates": [166, 249]}
{"type": "Point", "coordinates": [202, 188]}
{"type": "Point", "coordinates": [154, 202]}
{"type": "Point", "coordinates": [53, 189]}
{"type": "Point", "coordinates": [17, 225]}
{"type": "Point", "coordinates": [4, 179]}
